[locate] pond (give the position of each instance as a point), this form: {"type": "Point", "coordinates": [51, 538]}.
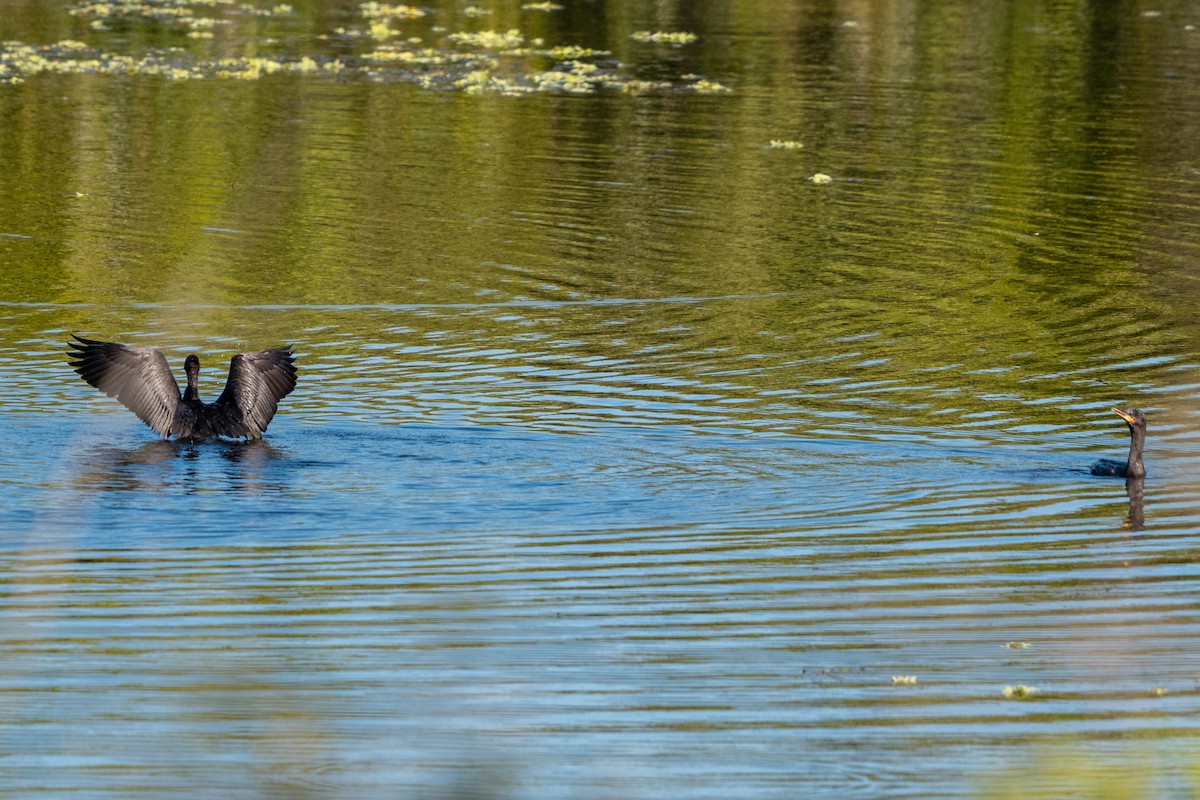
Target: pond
{"type": "Point", "coordinates": [695, 400]}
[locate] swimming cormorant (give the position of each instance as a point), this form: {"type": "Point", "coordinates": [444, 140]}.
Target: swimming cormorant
{"type": "Point", "coordinates": [1133, 467]}
{"type": "Point", "coordinates": [140, 378]}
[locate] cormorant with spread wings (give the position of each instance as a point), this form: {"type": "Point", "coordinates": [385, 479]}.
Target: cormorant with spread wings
{"type": "Point", "coordinates": [140, 378]}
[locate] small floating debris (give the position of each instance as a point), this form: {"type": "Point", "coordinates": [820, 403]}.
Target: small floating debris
{"type": "Point", "coordinates": [541, 7]}
{"type": "Point", "coordinates": [1020, 692]}
{"type": "Point", "coordinates": [1157, 691]}
{"type": "Point", "coordinates": [676, 38]}
{"type": "Point", "coordinates": [1017, 645]}
{"type": "Point", "coordinates": [821, 179]}
{"type": "Point", "coordinates": [785, 144]}
{"type": "Point", "coordinates": [476, 11]}
{"type": "Point", "coordinates": [904, 680]}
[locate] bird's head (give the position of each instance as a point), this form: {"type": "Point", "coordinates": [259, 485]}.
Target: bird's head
{"type": "Point", "coordinates": [1133, 417]}
{"type": "Point", "coordinates": [191, 365]}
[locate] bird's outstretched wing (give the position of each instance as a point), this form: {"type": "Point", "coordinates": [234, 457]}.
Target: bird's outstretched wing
{"type": "Point", "coordinates": [256, 384]}
{"type": "Point", "coordinates": [137, 376]}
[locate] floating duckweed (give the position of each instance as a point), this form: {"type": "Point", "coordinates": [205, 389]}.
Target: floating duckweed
{"type": "Point", "coordinates": [665, 37]}
{"type": "Point", "coordinates": [484, 82]}
{"type": "Point", "coordinates": [424, 58]}
{"type": "Point", "coordinates": [24, 60]}
{"type": "Point", "coordinates": [381, 30]}
{"type": "Point", "coordinates": [541, 7]}
{"type": "Point", "coordinates": [821, 178]}
{"type": "Point", "coordinates": [478, 76]}
{"type": "Point", "coordinates": [373, 10]}
{"type": "Point", "coordinates": [168, 11]}
{"type": "Point", "coordinates": [572, 82]}
{"type": "Point", "coordinates": [572, 52]}
{"type": "Point", "coordinates": [490, 40]}
{"type": "Point", "coordinates": [784, 144]}
{"type": "Point", "coordinates": [1017, 645]}
{"type": "Point", "coordinates": [280, 10]}
{"type": "Point", "coordinates": [709, 87]}
{"type": "Point", "coordinates": [256, 68]}
{"type": "Point", "coordinates": [642, 87]}
{"type": "Point", "coordinates": [904, 680]}
{"type": "Point", "coordinates": [1020, 692]}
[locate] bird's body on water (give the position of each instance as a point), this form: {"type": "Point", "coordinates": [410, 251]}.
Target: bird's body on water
{"type": "Point", "coordinates": [141, 380]}
{"type": "Point", "coordinates": [1131, 467]}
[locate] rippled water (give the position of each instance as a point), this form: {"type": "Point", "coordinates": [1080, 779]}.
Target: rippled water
{"type": "Point", "coordinates": [625, 461]}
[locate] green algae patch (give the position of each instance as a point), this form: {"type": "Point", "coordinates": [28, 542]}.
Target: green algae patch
{"type": "Point", "coordinates": [379, 42]}
{"type": "Point", "coordinates": [18, 62]}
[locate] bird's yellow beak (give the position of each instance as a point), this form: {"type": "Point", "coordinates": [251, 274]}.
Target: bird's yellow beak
{"type": "Point", "coordinates": [1123, 415]}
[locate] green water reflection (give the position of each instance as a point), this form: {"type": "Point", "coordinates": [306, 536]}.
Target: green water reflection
{"type": "Point", "coordinates": [1008, 236]}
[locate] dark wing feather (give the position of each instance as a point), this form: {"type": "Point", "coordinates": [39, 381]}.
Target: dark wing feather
{"type": "Point", "coordinates": [137, 376]}
{"type": "Point", "coordinates": [256, 384]}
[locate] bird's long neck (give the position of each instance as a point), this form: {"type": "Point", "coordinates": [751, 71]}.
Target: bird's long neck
{"type": "Point", "coordinates": [1137, 440]}
{"type": "Point", "coordinates": [192, 392]}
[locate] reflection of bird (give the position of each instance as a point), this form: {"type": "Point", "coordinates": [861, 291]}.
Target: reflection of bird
{"type": "Point", "coordinates": [1133, 467]}
{"type": "Point", "coordinates": [140, 378]}
{"type": "Point", "coordinates": [1136, 489]}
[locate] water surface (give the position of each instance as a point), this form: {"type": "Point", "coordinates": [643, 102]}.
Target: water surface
{"type": "Point", "coordinates": [626, 460]}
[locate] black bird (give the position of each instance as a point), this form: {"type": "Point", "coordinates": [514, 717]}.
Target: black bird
{"type": "Point", "coordinates": [140, 378]}
{"type": "Point", "coordinates": [1133, 467]}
